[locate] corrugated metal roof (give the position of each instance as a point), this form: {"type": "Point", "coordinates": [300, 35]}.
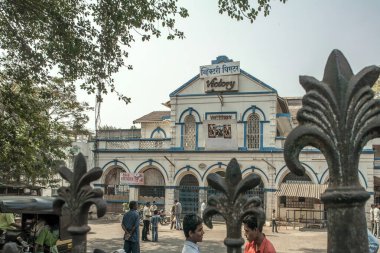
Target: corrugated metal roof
{"type": "Point", "coordinates": [302, 190]}
{"type": "Point", "coordinates": [155, 116]}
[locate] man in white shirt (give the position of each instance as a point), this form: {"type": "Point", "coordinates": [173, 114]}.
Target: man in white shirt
{"type": "Point", "coordinates": [376, 217]}
{"type": "Point", "coordinates": [178, 212]}
{"type": "Point", "coordinates": [371, 217]}
{"type": "Point", "coordinates": [193, 230]}
{"type": "Point", "coordinates": [153, 208]}
{"type": "Point", "coordinates": [203, 207]}
{"type": "Point", "coordinates": [146, 221]}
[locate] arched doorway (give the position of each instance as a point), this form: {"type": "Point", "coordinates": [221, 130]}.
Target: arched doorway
{"type": "Point", "coordinates": [259, 192]}
{"type": "Point", "coordinates": [114, 193]}
{"type": "Point", "coordinates": [112, 180]}
{"type": "Point", "coordinates": [153, 188]}
{"type": "Point", "coordinates": [188, 192]}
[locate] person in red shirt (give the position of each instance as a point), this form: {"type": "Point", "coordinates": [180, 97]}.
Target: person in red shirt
{"type": "Point", "coordinates": [257, 242]}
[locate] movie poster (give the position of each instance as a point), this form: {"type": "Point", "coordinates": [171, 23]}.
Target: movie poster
{"type": "Point", "coordinates": [220, 132]}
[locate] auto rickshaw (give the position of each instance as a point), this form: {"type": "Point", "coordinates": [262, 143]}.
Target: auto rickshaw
{"type": "Point", "coordinates": [32, 209]}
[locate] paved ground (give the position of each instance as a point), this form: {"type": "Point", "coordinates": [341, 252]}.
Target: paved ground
{"type": "Point", "coordinates": [107, 235]}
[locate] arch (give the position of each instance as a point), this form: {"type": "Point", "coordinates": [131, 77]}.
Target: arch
{"type": "Point", "coordinates": [189, 111]}
{"type": "Point", "coordinates": [253, 109]}
{"type": "Point", "coordinates": [188, 193]}
{"type": "Point", "coordinates": [151, 162]}
{"type": "Point", "coordinates": [214, 168]}
{"type": "Point", "coordinates": [116, 162]}
{"type": "Point", "coordinates": [190, 170]}
{"type": "Point", "coordinates": [189, 180]}
{"type": "Point", "coordinates": [258, 191]}
{"type": "Point", "coordinates": [153, 176]}
{"type": "Point", "coordinates": [159, 131]}
{"type": "Point", "coordinates": [111, 179]}
{"type": "Point", "coordinates": [308, 170]}
{"type": "Point", "coordinates": [256, 171]}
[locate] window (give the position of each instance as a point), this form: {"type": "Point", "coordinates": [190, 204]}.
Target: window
{"type": "Point", "coordinates": [189, 133]}
{"type": "Point", "coordinates": [253, 131]}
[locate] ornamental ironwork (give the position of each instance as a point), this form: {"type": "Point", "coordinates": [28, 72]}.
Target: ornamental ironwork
{"type": "Point", "coordinates": [339, 116]}
{"type": "Point", "coordinates": [77, 199]}
{"type": "Point", "coordinates": [232, 203]}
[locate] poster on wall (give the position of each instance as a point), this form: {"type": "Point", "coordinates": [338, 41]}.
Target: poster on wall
{"type": "Point", "coordinates": [129, 178]}
{"type": "Point", "coordinates": [221, 131]}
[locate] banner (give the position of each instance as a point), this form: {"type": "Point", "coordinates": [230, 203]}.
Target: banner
{"type": "Point", "coordinates": [129, 178]}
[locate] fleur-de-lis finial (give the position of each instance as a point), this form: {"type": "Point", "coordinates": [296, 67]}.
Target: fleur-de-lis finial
{"type": "Point", "coordinates": [77, 198]}
{"type": "Point", "coordinates": [232, 204]}
{"type": "Point", "coordinates": [339, 116]}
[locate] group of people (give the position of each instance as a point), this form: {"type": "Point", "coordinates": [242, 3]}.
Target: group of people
{"type": "Point", "coordinates": [43, 234]}
{"type": "Point", "coordinates": [253, 231]}
{"type": "Point", "coordinates": [192, 227]}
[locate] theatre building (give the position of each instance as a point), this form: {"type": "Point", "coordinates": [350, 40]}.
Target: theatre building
{"type": "Point", "coordinates": [223, 112]}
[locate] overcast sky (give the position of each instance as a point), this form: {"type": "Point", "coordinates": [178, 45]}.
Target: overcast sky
{"type": "Point", "coordinates": [295, 39]}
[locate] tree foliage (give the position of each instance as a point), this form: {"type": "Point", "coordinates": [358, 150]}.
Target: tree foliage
{"type": "Point", "coordinates": [88, 41]}
{"type": "Point", "coordinates": [78, 41]}
{"type": "Point", "coordinates": [37, 125]}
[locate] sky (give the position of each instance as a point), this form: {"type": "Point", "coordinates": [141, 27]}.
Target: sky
{"type": "Point", "coordinates": [295, 39]}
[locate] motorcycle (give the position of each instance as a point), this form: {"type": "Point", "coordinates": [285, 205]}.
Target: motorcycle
{"type": "Point", "coordinates": [164, 219]}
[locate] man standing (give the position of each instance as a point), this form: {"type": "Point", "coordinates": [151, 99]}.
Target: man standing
{"type": "Point", "coordinates": [130, 225]}
{"type": "Point", "coordinates": [257, 242]}
{"type": "Point", "coordinates": [178, 212]}
{"type": "Point", "coordinates": [146, 221]}
{"type": "Point", "coordinates": [274, 224]}
{"type": "Point", "coordinates": [153, 208]}
{"type": "Point", "coordinates": [376, 217]}
{"type": "Point", "coordinates": [371, 217]}
{"type": "Point", "coordinates": [193, 230]}
{"type": "Point", "coordinates": [203, 207]}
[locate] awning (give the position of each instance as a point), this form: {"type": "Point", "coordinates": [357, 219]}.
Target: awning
{"type": "Point", "coordinates": [301, 190]}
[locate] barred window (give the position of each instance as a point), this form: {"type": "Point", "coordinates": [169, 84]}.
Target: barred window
{"type": "Point", "coordinates": [189, 133]}
{"type": "Point", "coordinates": [253, 131]}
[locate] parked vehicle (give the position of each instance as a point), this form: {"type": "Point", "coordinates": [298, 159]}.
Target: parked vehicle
{"type": "Point", "coordinates": [164, 219]}
{"type": "Point", "coordinates": [33, 209]}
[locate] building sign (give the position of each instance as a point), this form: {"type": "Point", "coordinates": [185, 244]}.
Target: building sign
{"type": "Point", "coordinates": [128, 178]}
{"type": "Point", "coordinates": [221, 83]}
{"type": "Point", "coordinates": [220, 116]}
{"type": "Point", "coordinates": [221, 69]}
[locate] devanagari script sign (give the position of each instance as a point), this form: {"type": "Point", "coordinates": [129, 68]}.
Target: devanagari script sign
{"type": "Point", "coordinates": [129, 178]}
{"type": "Point", "coordinates": [221, 69]}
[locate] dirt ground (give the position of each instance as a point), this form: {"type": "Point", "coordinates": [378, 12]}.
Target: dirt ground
{"type": "Point", "coordinates": [107, 235]}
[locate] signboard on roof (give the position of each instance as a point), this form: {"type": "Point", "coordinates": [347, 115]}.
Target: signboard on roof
{"type": "Point", "coordinates": [221, 69]}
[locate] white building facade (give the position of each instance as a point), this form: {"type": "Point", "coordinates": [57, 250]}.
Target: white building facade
{"type": "Point", "coordinates": [223, 112]}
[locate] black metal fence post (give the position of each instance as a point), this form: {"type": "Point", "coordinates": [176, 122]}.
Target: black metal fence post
{"type": "Point", "coordinates": [232, 204]}
{"type": "Point", "coordinates": [338, 117]}
{"type": "Point", "coordinates": [77, 199]}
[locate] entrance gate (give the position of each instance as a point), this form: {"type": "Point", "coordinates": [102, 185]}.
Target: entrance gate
{"type": "Point", "coordinates": [188, 194]}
